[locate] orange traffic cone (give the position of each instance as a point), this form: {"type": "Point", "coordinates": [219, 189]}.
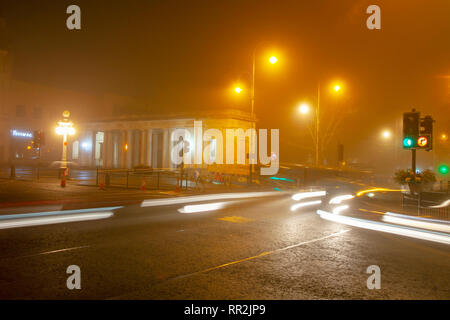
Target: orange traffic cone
{"type": "Point", "coordinates": [143, 184]}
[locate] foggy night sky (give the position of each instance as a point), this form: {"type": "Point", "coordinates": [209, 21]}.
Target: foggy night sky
{"type": "Point", "coordinates": [186, 55]}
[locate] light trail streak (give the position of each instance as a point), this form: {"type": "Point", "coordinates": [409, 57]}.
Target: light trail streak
{"type": "Point", "coordinates": [363, 192]}
{"type": "Point", "coordinates": [339, 199]}
{"type": "Point", "coordinates": [444, 204]}
{"type": "Point", "coordinates": [306, 195]}
{"type": "Point", "coordinates": [388, 228]}
{"type": "Point", "coordinates": [45, 220]}
{"type": "Point", "coordinates": [305, 204]}
{"type": "Point", "coordinates": [203, 207]}
{"type": "Point", "coordinates": [431, 224]}
{"type": "Point", "coordinates": [220, 196]}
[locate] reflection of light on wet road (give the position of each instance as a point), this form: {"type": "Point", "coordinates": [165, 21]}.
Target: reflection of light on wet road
{"type": "Point", "coordinates": [305, 204]}
{"type": "Point", "coordinates": [306, 195]}
{"type": "Point", "coordinates": [431, 224]}
{"type": "Point", "coordinates": [384, 227]}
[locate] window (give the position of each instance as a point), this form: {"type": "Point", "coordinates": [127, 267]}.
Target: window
{"type": "Point", "coordinates": [20, 111]}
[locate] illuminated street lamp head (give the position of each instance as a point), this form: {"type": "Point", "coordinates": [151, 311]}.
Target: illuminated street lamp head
{"type": "Point", "coordinates": [273, 59]}
{"type": "Point", "coordinates": [444, 137]}
{"type": "Point", "coordinates": [238, 90]}
{"type": "Point", "coordinates": [65, 127]}
{"type": "Point", "coordinates": [337, 88]}
{"type": "Point", "coordinates": [303, 108]}
{"type": "Point", "coordinates": [386, 134]}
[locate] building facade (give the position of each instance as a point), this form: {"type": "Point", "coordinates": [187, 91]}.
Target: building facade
{"type": "Point", "coordinates": [131, 142]}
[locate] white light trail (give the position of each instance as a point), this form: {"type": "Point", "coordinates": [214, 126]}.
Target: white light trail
{"type": "Point", "coordinates": [44, 220]}
{"type": "Point", "coordinates": [305, 204]}
{"type": "Point", "coordinates": [55, 213]}
{"type": "Point", "coordinates": [220, 196]}
{"type": "Point", "coordinates": [339, 199]}
{"type": "Point", "coordinates": [431, 224]}
{"type": "Point", "coordinates": [384, 227]}
{"type": "Point", "coordinates": [339, 209]}
{"type": "Point", "coordinates": [444, 204]}
{"type": "Point", "coordinates": [305, 195]}
{"type": "Point", "coordinates": [203, 207]}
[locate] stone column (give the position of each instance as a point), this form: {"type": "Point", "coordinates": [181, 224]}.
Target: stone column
{"type": "Point", "coordinates": [165, 149]}
{"type": "Point", "coordinates": [122, 151]}
{"type": "Point", "coordinates": [148, 146]}
{"type": "Point", "coordinates": [142, 147]}
{"type": "Point", "coordinates": [130, 150]}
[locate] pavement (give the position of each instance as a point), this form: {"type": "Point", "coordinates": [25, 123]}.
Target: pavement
{"type": "Point", "coordinates": [247, 248]}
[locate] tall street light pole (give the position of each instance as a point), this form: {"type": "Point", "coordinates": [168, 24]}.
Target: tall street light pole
{"type": "Point", "coordinates": [317, 124]}
{"type": "Point", "coordinates": [272, 60]}
{"type": "Point", "coordinates": [252, 93]}
{"type": "Point", "coordinates": [65, 128]}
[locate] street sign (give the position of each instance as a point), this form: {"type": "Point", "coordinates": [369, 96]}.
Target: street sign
{"type": "Point", "coordinates": [422, 142]}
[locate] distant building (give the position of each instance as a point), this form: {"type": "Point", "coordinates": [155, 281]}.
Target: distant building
{"type": "Point", "coordinates": [26, 107]}
{"type": "Point", "coordinates": [128, 142]}
{"type": "Point", "coordinates": [111, 131]}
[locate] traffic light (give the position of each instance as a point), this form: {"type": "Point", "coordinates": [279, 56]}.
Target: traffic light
{"type": "Point", "coordinates": [38, 139]}
{"type": "Point", "coordinates": [408, 143]}
{"type": "Point", "coordinates": [425, 139]}
{"type": "Point", "coordinates": [410, 129]}
{"type": "Point", "coordinates": [443, 169]}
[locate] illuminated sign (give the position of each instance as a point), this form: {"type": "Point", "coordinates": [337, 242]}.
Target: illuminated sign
{"type": "Point", "coordinates": [422, 141]}
{"type": "Point", "coordinates": [22, 134]}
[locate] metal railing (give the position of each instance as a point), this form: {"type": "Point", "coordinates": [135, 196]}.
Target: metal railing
{"type": "Point", "coordinates": [428, 204]}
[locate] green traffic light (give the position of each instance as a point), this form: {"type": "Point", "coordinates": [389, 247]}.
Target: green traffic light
{"type": "Point", "coordinates": [443, 169]}
{"type": "Point", "coordinates": [407, 142]}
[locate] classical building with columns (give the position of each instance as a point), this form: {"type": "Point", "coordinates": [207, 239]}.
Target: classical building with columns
{"type": "Point", "coordinates": [134, 141]}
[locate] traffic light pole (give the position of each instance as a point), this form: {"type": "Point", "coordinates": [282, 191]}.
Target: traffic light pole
{"type": "Point", "coordinates": [39, 163]}
{"type": "Point", "coordinates": [413, 161]}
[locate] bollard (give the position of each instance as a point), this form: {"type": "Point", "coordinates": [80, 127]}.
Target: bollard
{"type": "Point", "coordinates": [13, 172]}
{"type": "Point", "coordinates": [177, 188]}
{"type": "Point", "coordinates": [63, 178]}
{"type": "Point", "coordinates": [143, 184]}
{"type": "Point", "coordinates": [102, 182]}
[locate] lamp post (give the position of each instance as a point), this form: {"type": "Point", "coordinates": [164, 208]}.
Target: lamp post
{"type": "Point", "coordinates": [304, 109]}
{"type": "Point", "coordinates": [272, 60]}
{"type": "Point", "coordinates": [65, 128]}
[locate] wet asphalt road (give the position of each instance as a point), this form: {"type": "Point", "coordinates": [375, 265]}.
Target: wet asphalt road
{"type": "Point", "coordinates": [252, 249]}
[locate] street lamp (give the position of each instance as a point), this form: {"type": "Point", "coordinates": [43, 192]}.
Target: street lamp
{"type": "Point", "coordinates": [237, 90]}
{"type": "Point", "coordinates": [386, 134]}
{"type": "Point", "coordinates": [272, 60]}
{"type": "Point", "coordinates": [65, 128]}
{"type": "Point", "coordinates": [304, 108]}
